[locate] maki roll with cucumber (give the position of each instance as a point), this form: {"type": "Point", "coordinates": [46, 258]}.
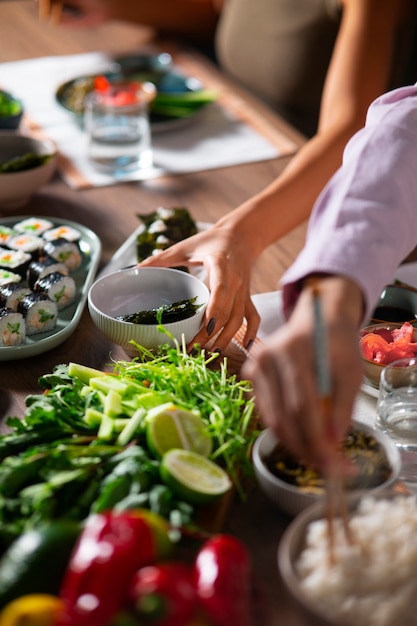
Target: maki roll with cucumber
{"type": "Point", "coordinates": [58, 287]}
{"type": "Point", "coordinates": [39, 311]}
{"type": "Point", "coordinates": [64, 251]}
{"type": "Point", "coordinates": [42, 267]}
{"type": "Point", "coordinates": [11, 294]}
{"type": "Point", "coordinates": [12, 327]}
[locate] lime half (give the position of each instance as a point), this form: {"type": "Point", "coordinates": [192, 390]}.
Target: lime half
{"type": "Point", "coordinates": [193, 477]}
{"type": "Point", "coordinates": [169, 426]}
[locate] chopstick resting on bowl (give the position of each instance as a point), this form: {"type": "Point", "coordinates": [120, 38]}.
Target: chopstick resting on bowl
{"type": "Point", "coordinates": [335, 500]}
{"type": "Point", "coordinates": [50, 10]}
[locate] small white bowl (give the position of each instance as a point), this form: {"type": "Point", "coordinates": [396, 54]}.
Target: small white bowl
{"type": "Point", "coordinates": [293, 499]}
{"type": "Point", "coordinates": [136, 289]}
{"type": "Point", "coordinates": [17, 187]}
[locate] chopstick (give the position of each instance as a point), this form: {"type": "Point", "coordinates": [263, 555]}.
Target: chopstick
{"type": "Point", "coordinates": [335, 500]}
{"type": "Point", "coordinates": [51, 10]}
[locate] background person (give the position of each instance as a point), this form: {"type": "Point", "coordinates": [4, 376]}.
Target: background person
{"type": "Point", "coordinates": [325, 59]}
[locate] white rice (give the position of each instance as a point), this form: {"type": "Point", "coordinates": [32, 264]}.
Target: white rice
{"type": "Point", "coordinates": [374, 581]}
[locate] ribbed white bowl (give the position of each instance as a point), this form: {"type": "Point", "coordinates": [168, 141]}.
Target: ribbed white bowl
{"type": "Point", "coordinates": [140, 289]}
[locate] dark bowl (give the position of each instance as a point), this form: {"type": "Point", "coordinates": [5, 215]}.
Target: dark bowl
{"type": "Point", "coordinates": [11, 111]}
{"type": "Point", "coordinates": [397, 303]}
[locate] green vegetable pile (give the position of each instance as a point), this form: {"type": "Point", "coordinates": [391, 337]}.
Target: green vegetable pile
{"type": "Point", "coordinates": [81, 446]}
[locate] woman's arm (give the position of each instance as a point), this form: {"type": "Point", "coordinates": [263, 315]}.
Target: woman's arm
{"type": "Point", "coordinates": [363, 224]}
{"type": "Point", "coordinates": [358, 73]}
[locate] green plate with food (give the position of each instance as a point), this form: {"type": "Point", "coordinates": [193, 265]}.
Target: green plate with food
{"type": "Point", "coordinates": [178, 97]}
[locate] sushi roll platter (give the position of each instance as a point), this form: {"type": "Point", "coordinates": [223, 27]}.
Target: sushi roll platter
{"type": "Point", "coordinates": [47, 266]}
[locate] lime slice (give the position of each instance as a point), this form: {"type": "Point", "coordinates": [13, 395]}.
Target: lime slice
{"type": "Point", "coordinates": [169, 426]}
{"type": "Point", "coordinates": [193, 477]}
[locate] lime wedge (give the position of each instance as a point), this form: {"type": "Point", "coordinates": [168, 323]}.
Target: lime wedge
{"type": "Point", "coordinates": [193, 477]}
{"type": "Point", "coordinates": [169, 426]}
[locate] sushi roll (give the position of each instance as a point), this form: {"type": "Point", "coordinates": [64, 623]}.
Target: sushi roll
{"type": "Point", "coordinates": [39, 311]}
{"type": "Point", "coordinates": [15, 261]}
{"type": "Point", "coordinates": [7, 277]}
{"type": "Point", "coordinates": [12, 327]}
{"type": "Point", "coordinates": [26, 242]}
{"type": "Point", "coordinates": [6, 233]}
{"type": "Point", "coordinates": [65, 232]}
{"type": "Point", "coordinates": [33, 225]}
{"type": "Point", "coordinates": [42, 267]}
{"type": "Point", "coordinates": [58, 287]}
{"type": "Point", "coordinates": [67, 252]}
{"type": "Point", "coordinates": [11, 294]}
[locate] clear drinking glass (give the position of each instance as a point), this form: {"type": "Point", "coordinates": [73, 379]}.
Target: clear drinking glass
{"type": "Point", "coordinates": [397, 411]}
{"type": "Point", "coordinates": [117, 123]}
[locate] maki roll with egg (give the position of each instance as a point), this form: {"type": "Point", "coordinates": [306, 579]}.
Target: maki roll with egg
{"type": "Point", "coordinates": [42, 267]}
{"type": "Point", "coordinates": [12, 327]}
{"type": "Point", "coordinates": [62, 232]}
{"type": "Point", "coordinates": [11, 294]}
{"type": "Point", "coordinates": [15, 261]}
{"type": "Point", "coordinates": [33, 225]}
{"type": "Point", "coordinates": [67, 252]}
{"type": "Point", "coordinates": [39, 311]}
{"type": "Point", "coordinates": [7, 277]}
{"type": "Point", "coordinates": [26, 242]}
{"type": "Point", "coordinates": [58, 287]}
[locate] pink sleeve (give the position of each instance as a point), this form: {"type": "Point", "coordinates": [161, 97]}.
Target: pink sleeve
{"type": "Point", "coordinates": [365, 221]}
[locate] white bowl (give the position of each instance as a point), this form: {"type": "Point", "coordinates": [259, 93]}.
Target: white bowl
{"type": "Point", "coordinates": [136, 289]}
{"type": "Point", "coordinates": [293, 542]}
{"type": "Point", "coordinates": [17, 187]}
{"type": "Point", "coordinates": [293, 499]}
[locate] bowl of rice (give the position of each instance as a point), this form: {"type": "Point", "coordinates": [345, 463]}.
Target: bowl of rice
{"type": "Point", "coordinates": [293, 485]}
{"type": "Point", "coordinates": [371, 581]}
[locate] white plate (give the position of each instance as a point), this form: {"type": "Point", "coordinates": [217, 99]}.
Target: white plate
{"type": "Point", "coordinates": [369, 389]}
{"type": "Point", "coordinates": [69, 318]}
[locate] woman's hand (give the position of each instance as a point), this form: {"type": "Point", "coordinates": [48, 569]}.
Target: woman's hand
{"type": "Point", "coordinates": [284, 376]}
{"type": "Point", "coordinates": [227, 258]}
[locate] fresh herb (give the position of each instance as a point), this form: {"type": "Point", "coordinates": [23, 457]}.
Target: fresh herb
{"type": "Point", "coordinates": [81, 446]}
{"type": "Point", "coordinates": [9, 106]}
{"type": "Point", "coordinates": [165, 314]}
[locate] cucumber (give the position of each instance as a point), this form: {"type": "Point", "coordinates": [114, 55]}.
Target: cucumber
{"type": "Point", "coordinates": [83, 372]}
{"type": "Point", "coordinates": [37, 560]}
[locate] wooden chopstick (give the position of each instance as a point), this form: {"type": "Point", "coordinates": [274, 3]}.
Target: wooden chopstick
{"type": "Point", "coordinates": [335, 500]}
{"type": "Point", "coordinates": [50, 10]}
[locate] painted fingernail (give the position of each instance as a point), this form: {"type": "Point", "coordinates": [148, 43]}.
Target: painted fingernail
{"type": "Point", "coordinates": [211, 325]}
{"type": "Point", "coordinates": [249, 344]}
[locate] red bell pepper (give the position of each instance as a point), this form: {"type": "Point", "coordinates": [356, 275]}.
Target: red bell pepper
{"type": "Point", "coordinates": [112, 546]}
{"type": "Point", "coordinates": [223, 581]}
{"type": "Point", "coordinates": [163, 595]}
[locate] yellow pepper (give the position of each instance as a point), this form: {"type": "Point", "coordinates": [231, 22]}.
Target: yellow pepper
{"type": "Point", "coordinates": [38, 609]}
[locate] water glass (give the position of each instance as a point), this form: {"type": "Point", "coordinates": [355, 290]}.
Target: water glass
{"type": "Point", "coordinates": [117, 123]}
{"type": "Point", "coordinates": [397, 411]}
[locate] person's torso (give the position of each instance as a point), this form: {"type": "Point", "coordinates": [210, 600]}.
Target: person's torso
{"type": "Point", "coordinates": [280, 50]}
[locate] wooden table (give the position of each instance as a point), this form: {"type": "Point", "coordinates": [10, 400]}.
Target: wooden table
{"type": "Point", "coordinates": [111, 213]}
